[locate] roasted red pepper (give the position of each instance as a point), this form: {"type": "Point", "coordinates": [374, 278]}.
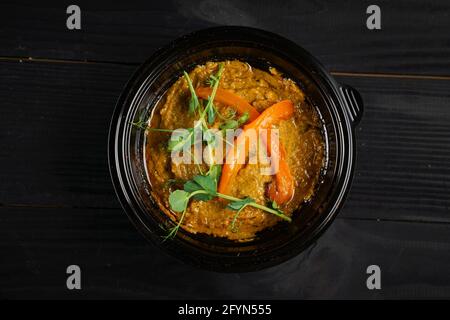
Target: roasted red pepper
{"type": "Point", "coordinates": [230, 99]}
{"type": "Point", "coordinates": [283, 188]}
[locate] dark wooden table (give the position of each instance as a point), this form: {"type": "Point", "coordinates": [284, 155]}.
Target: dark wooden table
{"type": "Point", "coordinates": [57, 206]}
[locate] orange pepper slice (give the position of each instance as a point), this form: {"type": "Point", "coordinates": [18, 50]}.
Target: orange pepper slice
{"type": "Point", "coordinates": [230, 99]}
{"type": "Point", "coordinates": [283, 189]}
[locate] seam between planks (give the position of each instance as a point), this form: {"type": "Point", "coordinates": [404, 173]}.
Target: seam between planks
{"type": "Point", "coordinates": [333, 72]}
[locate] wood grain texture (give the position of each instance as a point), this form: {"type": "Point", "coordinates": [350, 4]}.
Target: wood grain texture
{"type": "Point", "coordinates": [403, 151]}
{"type": "Point", "coordinates": [55, 136]}
{"type": "Point", "coordinates": [55, 122]}
{"type": "Point", "coordinates": [117, 263]}
{"type": "Point", "coordinates": [413, 39]}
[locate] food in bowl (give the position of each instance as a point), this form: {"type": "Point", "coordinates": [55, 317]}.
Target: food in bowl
{"type": "Point", "coordinates": [150, 208]}
{"type": "Point", "coordinates": [235, 193]}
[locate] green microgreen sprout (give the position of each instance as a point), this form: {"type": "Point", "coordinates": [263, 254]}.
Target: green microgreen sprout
{"type": "Point", "coordinates": [193, 102]}
{"type": "Point", "coordinates": [233, 124]}
{"type": "Point", "coordinates": [204, 188]}
{"type": "Point", "coordinates": [214, 80]}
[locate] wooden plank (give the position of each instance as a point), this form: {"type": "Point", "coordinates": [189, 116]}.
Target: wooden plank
{"type": "Point", "coordinates": [413, 39]}
{"type": "Point", "coordinates": [55, 123]}
{"type": "Point", "coordinates": [56, 116]}
{"type": "Point", "coordinates": [116, 262]}
{"type": "Point", "coordinates": [403, 156]}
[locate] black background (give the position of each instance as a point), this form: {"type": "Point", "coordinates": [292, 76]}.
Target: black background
{"type": "Point", "coordinates": [58, 89]}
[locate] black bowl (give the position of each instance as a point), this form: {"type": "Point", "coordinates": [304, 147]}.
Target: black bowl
{"type": "Point", "coordinates": [340, 108]}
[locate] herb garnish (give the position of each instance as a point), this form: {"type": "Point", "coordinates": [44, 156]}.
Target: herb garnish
{"type": "Point", "coordinates": [193, 102]}
{"type": "Point", "coordinates": [178, 141]}
{"type": "Point", "coordinates": [204, 188]}
{"type": "Point", "coordinates": [233, 124]}
{"type": "Point", "coordinates": [143, 125]}
{"type": "Point", "coordinates": [214, 80]}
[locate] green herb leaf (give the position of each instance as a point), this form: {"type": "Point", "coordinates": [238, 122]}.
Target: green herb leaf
{"type": "Point", "coordinates": [231, 113]}
{"type": "Point", "coordinates": [193, 102]}
{"type": "Point", "coordinates": [178, 200]}
{"type": "Point", "coordinates": [202, 197]}
{"type": "Point", "coordinates": [244, 118]}
{"type": "Point", "coordinates": [233, 124]}
{"type": "Point", "coordinates": [214, 172]}
{"type": "Point", "coordinates": [177, 142]}
{"type": "Point", "coordinates": [173, 231]}
{"type": "Point", "coordinates": [274, 204]}
{"type": "Point", "coordinates": [192, 186]}
{"type": "Point", "coordinates": [207, 183]}
{"type": "Point", "coordinates": [233, 226]}
{"type": "Point", "coordinates": [240, 204]}
{"type": "Point", "coordinates": [214, 82]}
{"type": "Point", "coordinates": [230, 124]}
{"type": "Point", "coordinates": [142, 123]}
{"type": "Point", "coordinates": [211, 113]}
{"type": "Point", "coordinates": [209, 137]}
{"type": "Point", "coordinates": [276, 212]}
